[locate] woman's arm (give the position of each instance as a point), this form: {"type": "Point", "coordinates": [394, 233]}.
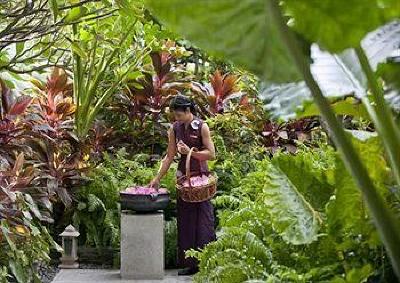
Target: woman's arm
{"type": "Point", "coordinates": [167, 160]}
{"type": "Point", "coordinates": [208, 153]}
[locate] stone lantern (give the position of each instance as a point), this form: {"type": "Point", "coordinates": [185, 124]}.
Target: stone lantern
{"type": "Point", "coordinates": [70, 248]}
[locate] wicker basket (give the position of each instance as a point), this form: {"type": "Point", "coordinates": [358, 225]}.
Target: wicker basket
{"type": "Point", "coordinates": [195, 193]}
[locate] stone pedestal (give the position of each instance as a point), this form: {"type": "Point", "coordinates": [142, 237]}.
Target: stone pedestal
{"type": "Point", "coordinates": [142, 245]}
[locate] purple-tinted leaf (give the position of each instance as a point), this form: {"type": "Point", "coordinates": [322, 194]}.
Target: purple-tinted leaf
{"type": "Point", "coordinates": [11, 195]}
{"type": "Point", "coordinates": [64, 196]}
{"type": "Point", "coordinates": [27, 214]}
{"type": "Point", "coordinates": [20, 106]}
{"type": "Point", "coordinates": [32, 206]}
{"type": "Point", "coordinates": [6, 99]}
{"type": "Point", "coordinates": [283, 134]}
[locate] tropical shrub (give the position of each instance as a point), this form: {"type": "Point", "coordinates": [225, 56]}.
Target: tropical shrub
{"type": "Point", "coordinates": [171, 236]}
{"type": "Point", "coordinates": [287, 135]}
{"type": "Point", "coordinates": [236, 131]}
{"type": "Point", "coordinates": [97, 211]}
{"type": "Point", "coordinates": [139, 113]}
{"type": "Point", "coordinates": [217, 92]}
{"type": "Point", "coordinates": [286, 58]}
{"type": "Point", "coordinates": [100, 65]}
{"type": "Point", "coordinates": [40, 163]}
{"type": "Point", "coordinates": [149, 94]}
{"type": "Point", "coordinates": [305, 215]}
{"type": "Point", "coordinates": [24, 241]}
{"type": "Point", "coordinates": [54, 146]}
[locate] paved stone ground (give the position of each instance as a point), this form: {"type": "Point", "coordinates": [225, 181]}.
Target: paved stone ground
{"type": "Point", "coordinates": [111, 275]}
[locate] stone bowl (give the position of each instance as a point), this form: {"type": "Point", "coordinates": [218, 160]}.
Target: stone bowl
{"type": "Point", "coordinates": [144, 203]}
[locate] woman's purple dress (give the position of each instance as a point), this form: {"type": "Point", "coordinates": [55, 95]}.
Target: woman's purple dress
{"type": "Point", "coordinates": [195, 220]}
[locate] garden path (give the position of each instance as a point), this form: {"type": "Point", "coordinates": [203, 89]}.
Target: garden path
{"type": "Point", "coordinates": [111, 275]}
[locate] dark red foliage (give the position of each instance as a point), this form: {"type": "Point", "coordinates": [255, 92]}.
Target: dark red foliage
{"type": "Point", "coordinates": [215, 94]}
{"type": "Point", "coordinates": [54, 108]}
{"type": "Point", "coordinates": [10, 104]}
{"type": "Point", "coordinates": [149, 95]}
{"type": "Point", "coordinates": [286, 135]}
{"type": "Point", "coordinates": [42, 130]}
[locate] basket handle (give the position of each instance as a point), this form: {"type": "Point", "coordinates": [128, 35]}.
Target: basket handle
{"type": "Point", "coordinates": [189, 156]}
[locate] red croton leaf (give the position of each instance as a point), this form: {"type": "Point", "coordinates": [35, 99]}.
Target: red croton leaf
{"type": "Point", "coordinates": [244, 100]}
{"type": "Point", "coordinates": [217, 83]}
{"type": "Point", "coordinates": [19, 162]}
{"type": "Point", "coordinates": [20, 105]}
{"type": "Point", "coordinates": [57, 82]}
{"type": "Point", "coordinates": [229, 85]}
{"type": "Point", "coordinates": [161, 64]}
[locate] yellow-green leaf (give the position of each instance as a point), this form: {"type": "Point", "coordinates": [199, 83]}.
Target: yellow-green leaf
{"type": "Point", "coordinates": [54, 8]}
{"type": "Point", "coordinates": [78, 50]}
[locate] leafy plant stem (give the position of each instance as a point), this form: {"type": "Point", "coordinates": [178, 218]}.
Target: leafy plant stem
{"type": "Point", "coordinates": [92, 62]}
{"type": "Point", "coordinates": [77, 70]}
{"type": "Point", "coordinates": [383, 118]}
{"type": "Point", "coordinates": [382, 216]}
{"type": "Point", "coordinates": [88, 105]}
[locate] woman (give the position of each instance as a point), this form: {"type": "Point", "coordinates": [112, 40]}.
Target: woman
{"type": "Point", "coordinates": [195, 220]}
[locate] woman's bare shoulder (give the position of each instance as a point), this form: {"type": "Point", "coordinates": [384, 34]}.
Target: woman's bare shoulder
{"type": "Point", "coordinates": [205, 129]}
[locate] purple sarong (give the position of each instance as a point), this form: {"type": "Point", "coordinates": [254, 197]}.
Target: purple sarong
{"type": "Point", "coordinates": [195, 221]}
{"type": "Point", "coordinates": [195, 228]}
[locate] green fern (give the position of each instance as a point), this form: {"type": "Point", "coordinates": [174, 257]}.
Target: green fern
{"type": "Point", "coordinates": [171, 235]}
{"type": "Point", "coordinates": [226, 201]}
{"type": "Point", "coordinates": [251, 216]}
{"type": "Point", "coordinates": [97, 212]}
{"type": "Point", "coordinates": [94, 203]}
{"type": "Point", "coordinates": [111, 228]}
{"type": "Point", "coordinates": [235, 247]}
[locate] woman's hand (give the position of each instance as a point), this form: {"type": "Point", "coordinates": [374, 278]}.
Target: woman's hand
{"type": "Point", "coordinates": [183, 148]}
{"type": "Point", "coordinates": [155, 183]}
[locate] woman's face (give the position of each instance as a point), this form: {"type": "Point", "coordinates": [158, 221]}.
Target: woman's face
{"type": "Point", "coordinates": [182, 116]}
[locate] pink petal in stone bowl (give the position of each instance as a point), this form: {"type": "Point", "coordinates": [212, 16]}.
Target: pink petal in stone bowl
{"type": "Point", "coordinates": [140, 190]}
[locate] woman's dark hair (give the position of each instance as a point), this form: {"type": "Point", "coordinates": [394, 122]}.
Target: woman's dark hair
{"type": "Point", "coordinates": [181, 103]}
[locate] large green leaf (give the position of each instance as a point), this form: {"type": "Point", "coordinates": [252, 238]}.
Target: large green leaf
{"type": "Point", "coordinates": [284, 100]}
{"type": "Point", "coordinates": [54, 8]}
{"type": "Point", "coordinates": [382, 43]}
{"type": "Point", "coordinates": [390, 73]}
{"type": "Point", "coordinates": [359, 275]}
{"type": "Point", "coordinates": [240, 31]}
{"type": "Point", "coordinates": [290, 213]}
{"type": "Point", "coordinates": [18, 271]}
{"type": "Point", "coordinates": [337, 74]}
{"type": "Point", "coordinates": [310, 172]}
{"type": "Point", "coordinates": [340, 24]}
{"type": "Point", "coordinates": [75, 14]}
{"type": "Point", "coordinates": [347, 212]}
{"type": "Point", "coordinates": [347, 106]}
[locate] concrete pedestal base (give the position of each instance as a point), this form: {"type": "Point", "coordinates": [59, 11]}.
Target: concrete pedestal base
{"type": "Point", "coordinates": [142, 245]}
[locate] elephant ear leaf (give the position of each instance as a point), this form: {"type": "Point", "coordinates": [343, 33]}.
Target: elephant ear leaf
{"type": "Point", "coordinates": [339, 75]}
{"type": "Point", "coordinates": [241, 31]}
{"type": "Point", "coordinates": [346, 212]}
{"type": "Point", "coordinates": [327, 22]}
{"type": "Point", "coordinates": [291, 214]}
